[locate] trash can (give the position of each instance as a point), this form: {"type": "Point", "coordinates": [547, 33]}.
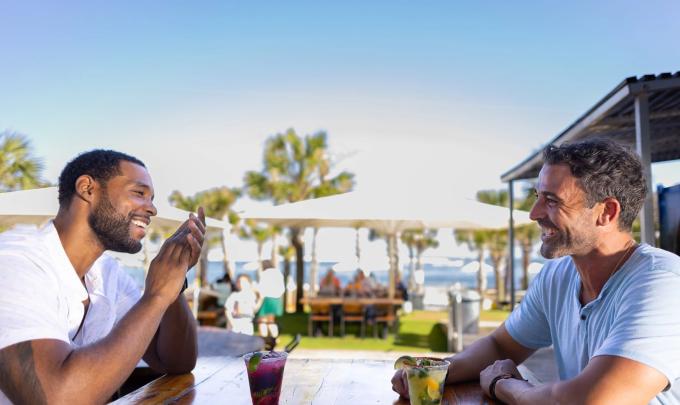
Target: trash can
{"type": "Point", "coordinates": [464, 306]}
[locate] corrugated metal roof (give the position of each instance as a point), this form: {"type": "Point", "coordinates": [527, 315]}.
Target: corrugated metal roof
{"type": "Point", "coordinates": [614, 117]}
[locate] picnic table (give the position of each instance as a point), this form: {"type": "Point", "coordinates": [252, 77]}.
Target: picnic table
{"type": "Point", "coordinates": [218, 380]}
{"type": "Point", "coordinates": [352, 309]}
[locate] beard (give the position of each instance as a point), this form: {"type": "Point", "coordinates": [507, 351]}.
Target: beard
{"type": "Point", "coordinates": [565, 242]}
{"type": "Point", "coordinates": [113, 228]}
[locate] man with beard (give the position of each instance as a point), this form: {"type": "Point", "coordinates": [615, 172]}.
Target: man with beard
{"type": "Point", "coordinates": [608, 305]}
{"type": "Point", "coordinates": [73, 325]}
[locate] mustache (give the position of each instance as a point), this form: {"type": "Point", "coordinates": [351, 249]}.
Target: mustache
{"type": "Point", "coordinates": [546, 223]}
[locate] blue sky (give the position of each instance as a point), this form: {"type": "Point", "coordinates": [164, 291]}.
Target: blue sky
{"type": "Point", "coordinates": [442, 93]}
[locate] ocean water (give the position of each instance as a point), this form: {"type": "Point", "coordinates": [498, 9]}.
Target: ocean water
{"type": "Point", "coordinates": [435, 275]}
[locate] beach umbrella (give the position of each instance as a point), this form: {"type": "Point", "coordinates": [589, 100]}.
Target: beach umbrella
{"type": "Point", "coordinates": [39, 205]}
{"type": "Point", "coordinates": [389, 213]}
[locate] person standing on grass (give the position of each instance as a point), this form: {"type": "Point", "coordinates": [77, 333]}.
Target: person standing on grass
{"type": "Point", "coordinates": [241, 306]}
{"type": "Point", "coordinates": [271, 289]}
{"type": "Point", "coordinates": [73, 325]}
{"type": "Point", "coordinates": [608, 305]}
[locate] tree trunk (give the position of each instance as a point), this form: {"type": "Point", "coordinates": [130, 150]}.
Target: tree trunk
{"type": "Point", "coordinates": [226, 264]}
{"type": "Point", "coordinates": [412, 269]}
{"type": "Point", "coordinates": [203, 266]}
{"type": "Point", "coordinates": [275, 250]}
{"type": "Point", "coordinates": [526, 254]}
{"type": "Point", "coordinates": [394, 264]}
{"type": "Point", "coordinates": [500, 279]}
{"type": "Point", "coordinates": [147, 258]}
{"type": "Point", "coordinates": [357, 249]}
{"type": "Point", "coordinates": [260, 248]}
{"type": "Point", "coordinates": [314, 270]}
{"type": "Point", "coordinates": [299, 246]}
{"type": "Point", "coordinates": [481, 274]}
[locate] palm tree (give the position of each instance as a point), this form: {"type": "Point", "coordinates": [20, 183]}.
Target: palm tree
{"type": "Point", "coordinates": [527, 235]}
{"type": "Point", "coordinates": [296, 168]}
{"type": "Point", "coordinates": [418, 241]}
{"type": "Point", "coordinates": [476, 240]}
{"type": "Point", "coordinates": [260, 234]}
{"type": "Point", "coordinates": [287, 252]}
{"type": "Point", "coordinates": [19, 170]}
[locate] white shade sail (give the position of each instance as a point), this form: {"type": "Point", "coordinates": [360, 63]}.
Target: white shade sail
{"type": "Point", "coordinates": [39, 205]}
{"type": "Point", "coordinates": [389, 214]}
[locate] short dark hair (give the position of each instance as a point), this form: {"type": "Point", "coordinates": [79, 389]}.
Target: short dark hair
{"type": "Point", "coordinates": [604, 169]}
{"type": "Point", "coordinates": [101, 164]}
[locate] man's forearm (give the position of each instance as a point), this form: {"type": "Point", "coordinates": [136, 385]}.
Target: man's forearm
{"type": "Point", "coordinates": [94, 372]}
{"type": "Point", "coordinates": [467, 365]}
{"type": "Point", "coordinates": [174, 347]}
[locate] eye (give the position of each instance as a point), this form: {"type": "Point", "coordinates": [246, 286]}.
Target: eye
{"type": "Point", "coordinates": [139, 193]}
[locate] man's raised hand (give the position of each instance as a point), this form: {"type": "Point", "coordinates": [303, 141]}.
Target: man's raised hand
{"type": "Point", "coordinates": [178, 254]}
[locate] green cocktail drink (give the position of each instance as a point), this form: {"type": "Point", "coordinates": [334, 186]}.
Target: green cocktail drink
{"type": "Point", "coordinates": [426, 378]}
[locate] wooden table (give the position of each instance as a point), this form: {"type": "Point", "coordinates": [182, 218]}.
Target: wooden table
{"type": "Point", "coordinates": [223, 380]}
{"type": "Point", "coordinates": [385, 311]}
{"type": "Point", "coordinates": [350, 300]}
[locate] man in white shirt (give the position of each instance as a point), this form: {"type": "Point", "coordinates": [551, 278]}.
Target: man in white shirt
{"type": "Point", "coordinates": [73, 326]}
{"type": "Point", "coordinates": [606, 304]}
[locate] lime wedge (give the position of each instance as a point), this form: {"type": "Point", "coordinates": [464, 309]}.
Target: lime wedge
{"type": "Point", "coordinates": [254, 361]}
{"type": "Point", "coordinates": [404, 360]}
{"type": "Point", "coordinates": [432, 388]}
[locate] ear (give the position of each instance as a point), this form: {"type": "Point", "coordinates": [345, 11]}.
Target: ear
{"type": "Point", "coordinates": [85, 188]}
{"type": "Point", "coordinates": [610, 211]}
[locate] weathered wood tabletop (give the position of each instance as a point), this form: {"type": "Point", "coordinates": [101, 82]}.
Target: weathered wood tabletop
{"type": "Point", "coordinates": [223, 380]}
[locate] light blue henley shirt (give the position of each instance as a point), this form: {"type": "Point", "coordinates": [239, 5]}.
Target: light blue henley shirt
{"type": "Point", "coordinates": [636, 316]}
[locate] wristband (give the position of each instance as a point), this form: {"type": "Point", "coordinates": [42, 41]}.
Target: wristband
{"type": "Point", "coordinates": [492, 386]}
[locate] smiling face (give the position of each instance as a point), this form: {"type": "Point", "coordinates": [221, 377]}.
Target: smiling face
{"type": "Point", "coordinates": [568, 226]}
{"type": "Point", "coordinates": [120, 217]}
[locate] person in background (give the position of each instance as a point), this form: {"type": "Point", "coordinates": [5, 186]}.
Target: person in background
{"type": "Point", "coordinates": [223, 286]}
{"type": "Point", "coordinates": [271, 288]}
{"type": "Point", "coordinates": [608, 305]}
{"type": "Point", "coordinates": [361, 286]}
{"type": "Point", "coordinates": [330, 285]}
{"type": "Point", "coordinates": [402, 290]}
{"type": "Point", "coordinates": [241, 306]}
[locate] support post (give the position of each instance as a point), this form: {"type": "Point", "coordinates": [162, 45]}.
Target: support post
{"type": "Point", "coordinates": [511, 243]}
{"type": "Point", "coordinates": [643, 147]}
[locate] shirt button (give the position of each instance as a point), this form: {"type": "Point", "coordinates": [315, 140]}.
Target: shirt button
{"type": "Point", "coordinates": [583, 317]}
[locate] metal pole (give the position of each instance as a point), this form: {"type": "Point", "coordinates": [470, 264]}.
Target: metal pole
{"type": "Point", "coordinates": [643, 147]}
{"type": "Point", "coordinates": [459, 322]}
{"type": "Point", "coordinates": [511, 243]}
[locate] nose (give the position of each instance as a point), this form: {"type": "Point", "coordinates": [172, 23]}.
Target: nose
{"type": "Point", "coordinates": [151, 209]}
{"type": "Point", "coordinates": [537, 212]}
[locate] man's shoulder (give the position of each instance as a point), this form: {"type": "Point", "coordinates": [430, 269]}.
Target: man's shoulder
{"type": "Point", "coordinates": [657, 260]}
{"type": "Point", "coordinates": [557, 270]}
{"type": "Point", "coordinates": [24, 247]}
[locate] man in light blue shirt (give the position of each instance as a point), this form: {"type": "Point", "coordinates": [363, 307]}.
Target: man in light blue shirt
{"type": "Point", "coordinates": [609, 306]}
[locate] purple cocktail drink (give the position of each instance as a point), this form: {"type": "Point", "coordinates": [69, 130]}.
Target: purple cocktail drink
{"type": "Point", "coordinates": [265, 373]}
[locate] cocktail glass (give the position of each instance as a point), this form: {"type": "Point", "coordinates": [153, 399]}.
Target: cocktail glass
{"type": "Point", "coordinates": [265, 374]}
{"type": "Point", "coordinates": [426, 380]}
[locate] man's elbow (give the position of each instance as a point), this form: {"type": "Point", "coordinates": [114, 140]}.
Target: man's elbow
{"type": "Point", "coordinates": [183, 367]}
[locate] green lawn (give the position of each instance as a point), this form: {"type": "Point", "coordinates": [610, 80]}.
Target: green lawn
{"type": "Point", "coordinates": [419, 331]}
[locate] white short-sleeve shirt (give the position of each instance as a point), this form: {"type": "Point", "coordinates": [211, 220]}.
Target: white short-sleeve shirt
{"type": "Point", "coordinates": [635, 316]}
{"type": "Point", "coordinates": [41, 296]}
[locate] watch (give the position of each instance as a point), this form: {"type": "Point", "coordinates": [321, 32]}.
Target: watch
{"type": "Point", "coordinates": [492, 386]}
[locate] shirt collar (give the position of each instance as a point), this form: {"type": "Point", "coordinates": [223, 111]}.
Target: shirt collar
{"type": "Point", "coordinates": [64, 269]}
